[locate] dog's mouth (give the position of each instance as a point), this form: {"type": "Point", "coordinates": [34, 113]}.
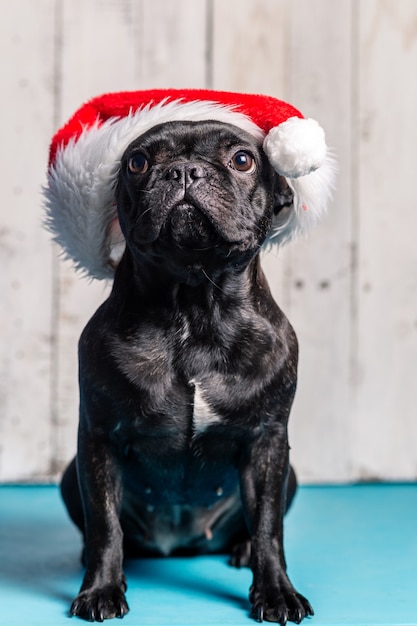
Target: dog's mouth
{"type": "Point", "coordinates": [188, 227]}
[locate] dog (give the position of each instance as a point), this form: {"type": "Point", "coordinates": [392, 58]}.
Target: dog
{"type": "Point", "coordinates": [187, 375]}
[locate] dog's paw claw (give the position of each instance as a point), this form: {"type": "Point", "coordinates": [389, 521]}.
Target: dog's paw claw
{"type": "Point", "coordinates": [96, 605]}
{"type": "Point", "coordinates": [281, 607]}
{"type": "Point", "coordinates": [260, 614]}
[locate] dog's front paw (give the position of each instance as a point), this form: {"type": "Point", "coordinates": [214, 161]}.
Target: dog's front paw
{"type": "Point", "coordinates": [240, 554]}
{"type": "Point", "coordinates": [98, 604]}
{"type": "Point", "coordinates": [279, 605]}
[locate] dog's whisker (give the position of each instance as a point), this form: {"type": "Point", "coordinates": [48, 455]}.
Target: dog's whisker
{"type": "Point", "coordinates": [148, 210]}
{"type": "Point", "coordinates": [210, 280]}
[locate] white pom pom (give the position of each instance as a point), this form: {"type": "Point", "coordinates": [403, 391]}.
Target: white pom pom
{"type": "Point", "coordinates": [296, 147]}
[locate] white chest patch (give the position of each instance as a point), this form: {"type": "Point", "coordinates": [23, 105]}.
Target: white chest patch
{"type": "Point", "coordinates": [203, 415]}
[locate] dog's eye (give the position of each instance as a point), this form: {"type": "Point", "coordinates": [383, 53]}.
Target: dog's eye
{"type": "Point", "coordinates": [138, 163]}
{"type": "Point", "coordinates": [243, 161]}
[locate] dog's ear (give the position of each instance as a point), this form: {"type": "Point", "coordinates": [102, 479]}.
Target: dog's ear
{"type": "Point", "coordinates": [283, 194]}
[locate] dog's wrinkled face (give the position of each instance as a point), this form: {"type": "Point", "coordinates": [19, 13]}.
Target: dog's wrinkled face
{"type": "Point", "coordinates": [190, 192]}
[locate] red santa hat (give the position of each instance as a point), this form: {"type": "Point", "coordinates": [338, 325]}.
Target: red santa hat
{"type": "Point", "coordinates": [85, 159]}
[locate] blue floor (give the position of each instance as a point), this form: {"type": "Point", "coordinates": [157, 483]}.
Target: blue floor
{"type": "Point", "coordinates": [351, 550]}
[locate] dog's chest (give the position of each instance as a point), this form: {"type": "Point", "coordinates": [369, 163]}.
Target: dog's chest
{"type": "Point", "coordinates": [160, 390]}
{"type": "Point", "coordinates": [203, 414]}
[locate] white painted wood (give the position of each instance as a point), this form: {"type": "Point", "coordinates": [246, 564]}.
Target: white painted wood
{"type": "Point", "coordinates": [249, 46]}
{"type": "Point", "coordinates": [26, 50]}
{"type": "Point", "coordinates": [100, 50]}
{"type": "Point", "coordinates": [173, 43]}
{"type": "Point", "coordinates": [350, 289]}
{"type": "Point", "coordinates": [318, 277]}
{"type": "Point", "coordinates": [385, 424]}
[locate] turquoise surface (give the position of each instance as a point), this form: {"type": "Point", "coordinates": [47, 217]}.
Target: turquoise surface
{"type": "Point", "coordinates": [351, 550]}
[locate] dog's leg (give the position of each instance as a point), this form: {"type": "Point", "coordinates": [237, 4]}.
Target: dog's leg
{"type": "Point", "coordinates": [70, 493]}
{"type": "Point", "coordinates": [264, 481]}
{"type": "Point", "coordinates": [102, 592]}
{"type": "Point", "coordinates": [241, 552]}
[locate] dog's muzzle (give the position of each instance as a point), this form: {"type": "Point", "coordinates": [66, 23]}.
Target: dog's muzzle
{"type": "Point", "coordinates": [188, 227]}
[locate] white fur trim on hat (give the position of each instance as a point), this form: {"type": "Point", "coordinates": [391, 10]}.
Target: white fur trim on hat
{"type": "Point", "coordinates": [79, 195]}
{"type": "Point", "coordinates": [312, 194]}
{"type": "Point", "coordinates": [296, 147]}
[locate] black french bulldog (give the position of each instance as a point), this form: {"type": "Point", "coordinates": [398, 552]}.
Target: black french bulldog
{"type": "Point", "coordinates": [187, 375]}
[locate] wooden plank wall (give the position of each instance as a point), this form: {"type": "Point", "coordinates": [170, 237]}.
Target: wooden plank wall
{"type": "Point", "coordinates": [350, 289]}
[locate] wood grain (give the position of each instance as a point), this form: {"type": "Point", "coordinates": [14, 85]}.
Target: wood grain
{"type": "Point", "coordinates": [350, 289]}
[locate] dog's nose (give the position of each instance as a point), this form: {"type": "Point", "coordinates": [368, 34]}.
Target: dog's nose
{"type": "Point", "coordinates": [185, 173]}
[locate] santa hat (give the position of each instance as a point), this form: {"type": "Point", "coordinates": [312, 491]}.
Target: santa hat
{"type": "Point", "coordinates": [85, 159]}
